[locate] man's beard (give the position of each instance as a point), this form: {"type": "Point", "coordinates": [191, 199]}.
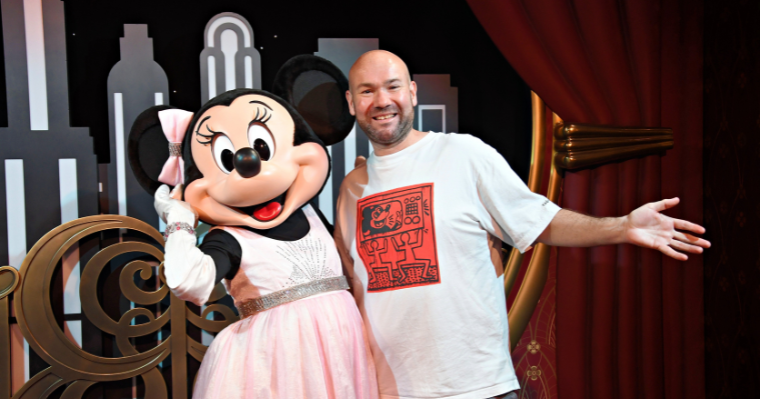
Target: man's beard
{"type": "Point", "coordinates": [398, 135]}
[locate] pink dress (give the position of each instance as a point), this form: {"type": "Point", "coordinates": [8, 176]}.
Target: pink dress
{"type": "Point", "coordinates": [313, 348]}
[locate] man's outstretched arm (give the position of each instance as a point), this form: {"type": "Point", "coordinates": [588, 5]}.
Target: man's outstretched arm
{"type": "Point", "coordinates": [645, 227]}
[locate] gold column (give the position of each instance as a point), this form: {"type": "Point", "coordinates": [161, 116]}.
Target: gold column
{"type": "Point", "coordinates": [538, 269]}
{"type": "Point", "coordinates": [178, 310]}
{"type": "Point", "coordinates": [535, 176]}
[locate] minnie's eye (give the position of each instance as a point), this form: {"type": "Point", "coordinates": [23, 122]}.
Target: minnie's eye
{"type": "Point", "coordinates": [223, 153]}
{"type": "Point", "coordinates": [261, 141]}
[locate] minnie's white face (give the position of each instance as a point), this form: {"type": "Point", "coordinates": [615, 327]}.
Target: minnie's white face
{"type": "Point", "coordinates": [231, 191]}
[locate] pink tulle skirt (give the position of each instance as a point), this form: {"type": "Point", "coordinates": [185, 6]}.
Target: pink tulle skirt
{"type": "Point", "coordinates": [313, 348]}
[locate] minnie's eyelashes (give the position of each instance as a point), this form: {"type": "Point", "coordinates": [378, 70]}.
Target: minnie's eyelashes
{"type": "Point", "coordinates": [261, 117]}
{"type": "Point", "coordinates": [207, 142]}
{"type": "Point", "coordinates": [210, 137]}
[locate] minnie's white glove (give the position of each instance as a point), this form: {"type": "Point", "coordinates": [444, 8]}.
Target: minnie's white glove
{"type": "Point", "coordinates": [171, 210]}
{"type": "Point", "coordinates": [189, 272]}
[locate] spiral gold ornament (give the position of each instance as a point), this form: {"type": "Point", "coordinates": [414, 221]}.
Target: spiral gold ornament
{"type": "Point", "coordinates": [70, 364]}
{"type": "Point", "coordinates": [76, 369]}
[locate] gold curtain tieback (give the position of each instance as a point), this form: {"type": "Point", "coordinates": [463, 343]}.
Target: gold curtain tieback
{"type": "Point", "coordinates": [291, 294]}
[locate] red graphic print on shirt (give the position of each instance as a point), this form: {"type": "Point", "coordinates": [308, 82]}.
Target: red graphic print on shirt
{"type": "Point", "coordinates": [395, 237]}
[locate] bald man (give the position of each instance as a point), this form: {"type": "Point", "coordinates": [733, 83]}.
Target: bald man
{"type": "Point", "coordinates": [419, 227]}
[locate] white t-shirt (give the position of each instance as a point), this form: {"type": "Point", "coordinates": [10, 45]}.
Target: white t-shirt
{"type": "Point", "coordinates": [422, 228]}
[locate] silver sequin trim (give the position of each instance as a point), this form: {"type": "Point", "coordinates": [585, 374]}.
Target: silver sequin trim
{"type": "Point", "coordinates": [175, 149]}
{"type": "Point", "coordinates": [177, 226]}
{"type": "Point", "coordinates": [291, 294]}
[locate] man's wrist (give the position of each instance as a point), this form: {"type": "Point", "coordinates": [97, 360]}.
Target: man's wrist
{"type": "Point", "coordinates": [622, 228]}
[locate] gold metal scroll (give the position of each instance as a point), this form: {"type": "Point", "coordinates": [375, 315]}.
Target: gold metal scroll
{"type": "Point", "coordinates": [34, 313]}
{"type": "Point", "coordinates": [74, 370]}
{"type": "Point", "coordinates": [9, 279]}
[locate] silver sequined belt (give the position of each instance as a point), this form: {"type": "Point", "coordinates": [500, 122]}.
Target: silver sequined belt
{"type": "Point", "coordinates": [268, 301]}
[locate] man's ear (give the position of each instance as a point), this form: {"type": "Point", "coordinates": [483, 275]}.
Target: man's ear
{"type": "Point", "coordinates": [349, 99]}
{"type": "Point", "coordinates": [413, 90]}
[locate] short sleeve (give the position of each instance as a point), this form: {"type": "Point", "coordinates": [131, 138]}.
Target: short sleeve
{"type": "Point", "coordinates": [513, 213]}
{"type": "Point", "coordinates": [224, 249]}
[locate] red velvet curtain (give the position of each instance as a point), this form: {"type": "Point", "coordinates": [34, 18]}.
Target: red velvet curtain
{"type": "Point", "coordinates": [629, 321]}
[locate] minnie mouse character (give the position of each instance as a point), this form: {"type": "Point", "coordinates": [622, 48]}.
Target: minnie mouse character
{"type": "Point", "coordinates": [250, 162]}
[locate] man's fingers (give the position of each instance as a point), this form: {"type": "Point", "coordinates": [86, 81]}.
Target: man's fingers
{"type": "Point", "coordinates": [690, 239]}
{"type": "Point", "coordinates": [682, 246]}
{"type": "Point", "coordinates": [686, 225]}
{"type": "Point", "coordinates": [662, 205]}
{"type": "Point", "coordinates": [672, 253]}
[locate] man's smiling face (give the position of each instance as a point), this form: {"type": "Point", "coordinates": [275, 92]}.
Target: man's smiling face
{"type": "Point", "coordinates": [382, 97]}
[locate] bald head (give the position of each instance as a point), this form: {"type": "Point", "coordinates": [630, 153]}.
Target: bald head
{"type": "Point", "coordinates": [372, 62]}
{"type": "Point", "coordinates": [382, 97]}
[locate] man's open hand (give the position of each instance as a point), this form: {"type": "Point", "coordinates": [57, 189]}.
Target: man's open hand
{"type": "Point", "coordinates": [649, 228]}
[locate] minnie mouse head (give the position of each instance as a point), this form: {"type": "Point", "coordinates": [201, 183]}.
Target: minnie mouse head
{"type": "Point", "coordinates": [248, 157]}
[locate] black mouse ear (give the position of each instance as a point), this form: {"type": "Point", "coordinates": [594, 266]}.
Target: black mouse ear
{"type": "Point", "coordinates": [148, 148]}
{"type": "Point", "coordinates": [317, 90]}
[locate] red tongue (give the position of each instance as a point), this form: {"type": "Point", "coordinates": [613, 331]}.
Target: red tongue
{"type": "Point", "coordinates": [268, 211]}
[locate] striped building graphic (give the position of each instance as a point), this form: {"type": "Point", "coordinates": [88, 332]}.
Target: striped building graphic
{"type": "Point", "coordinates": [48, 168]}
{"type": "Point", "coordinates": [229, 59]}
{"type": "Point", "coordinates": [437, 104]}
{"type": "Point", "coordinates": [135, 83]}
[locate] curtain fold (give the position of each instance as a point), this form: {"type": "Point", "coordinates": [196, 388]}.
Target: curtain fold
{"type": "Point", "coordinates": [629, 321]}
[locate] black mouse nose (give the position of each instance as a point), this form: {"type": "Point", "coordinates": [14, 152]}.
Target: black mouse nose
{"type": "Point", "coordinates": [247, 162]}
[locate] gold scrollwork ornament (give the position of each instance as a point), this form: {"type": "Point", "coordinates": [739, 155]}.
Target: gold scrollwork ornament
{"type": "Point", "coordinates": [69, 364]}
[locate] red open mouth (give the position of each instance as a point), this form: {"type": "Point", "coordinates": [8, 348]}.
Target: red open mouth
{"type": "Point", "coordinates": [266, 211]}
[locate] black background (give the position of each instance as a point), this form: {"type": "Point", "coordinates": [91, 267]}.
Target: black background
{"type": "Point", "coordinates": [432, 37]}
